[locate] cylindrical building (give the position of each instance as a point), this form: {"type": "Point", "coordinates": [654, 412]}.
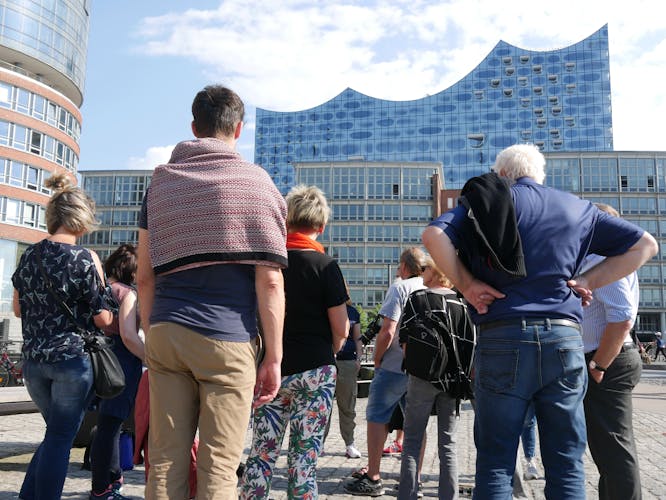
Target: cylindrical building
{"type": "Point", "coordinates": [43, 46]}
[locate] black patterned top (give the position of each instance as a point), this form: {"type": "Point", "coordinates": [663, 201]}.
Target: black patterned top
{"type": "Point", "coordinates": [49, 335]}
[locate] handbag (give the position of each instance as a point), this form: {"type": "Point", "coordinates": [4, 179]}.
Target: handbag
{"type": "Point", "coordinates": [108, 375]}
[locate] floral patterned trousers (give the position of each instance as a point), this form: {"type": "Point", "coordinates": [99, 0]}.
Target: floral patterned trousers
{"type": "Point", "coordinates": [304, 401]}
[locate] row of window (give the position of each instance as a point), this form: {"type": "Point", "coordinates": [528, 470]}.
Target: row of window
{"type": "Point", "coordinates": [113, 237]}
{"type": "Point", "coordinates": [615, 174]}
{"type": "Point", "coordinates": [22, 213]}
{"type": "Point", "coordinates": [28, 103]}
{"type": "Point", "coordinates": [123, 190]}
{"type": "Point", "coordinates": [35, 142]}
{"type": "Point", "coordinates": [23, 175]}
{"type": "Point", "coordinates": [371, 182]}
{"type": "Point", "coordinates": [385, 212]}
{"type": "Point", "coordinates": [394, 233]}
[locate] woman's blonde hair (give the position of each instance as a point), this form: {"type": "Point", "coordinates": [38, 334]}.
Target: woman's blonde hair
{"type": "Point", "coordinates": [69, 207]}
{"type": "Point", "coordinates": [441, 278]}
{"type": "Point", "coordinates": [307, 208]}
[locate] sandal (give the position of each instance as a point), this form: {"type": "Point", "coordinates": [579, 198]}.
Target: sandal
{"type": "Point", "coordinates": [359, 473]}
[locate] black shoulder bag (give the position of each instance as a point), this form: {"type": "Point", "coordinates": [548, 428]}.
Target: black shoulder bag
{"type": "Point", "coordinates": [108, 375]}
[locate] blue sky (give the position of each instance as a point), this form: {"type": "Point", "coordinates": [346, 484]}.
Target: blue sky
{"type": "Point", "coordinates": [147, 59]}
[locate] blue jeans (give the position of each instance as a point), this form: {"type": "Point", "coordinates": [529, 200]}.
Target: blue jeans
{"type": "Point", "coordinates": [528, 437]}
{"type": "Point", "coordinates": [62, 392]}
{"type": "Point", "coordinates": [515, 367]}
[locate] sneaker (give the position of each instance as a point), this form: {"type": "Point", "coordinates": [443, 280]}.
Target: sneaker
{"type": "Point", "coordinates": [117, 485]}
{"type": "Point", "coordinates": [365, 487]}
{"type": "Point", "coordinates": [392, 450]}
{"type": "Point", "coordinates": [419, 491]}
{"type": "Point", "coordinates": [352, 452]}
{"type": "Point", "coordinates": [531, 471]}
{"type": "Point", "coordinates": [109, 494]}
{"type": "Point", "coordinates": [359, 473]}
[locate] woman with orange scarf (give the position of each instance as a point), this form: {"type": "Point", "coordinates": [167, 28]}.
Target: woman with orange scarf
{"type": "Point", "coordinates": [315, 327]}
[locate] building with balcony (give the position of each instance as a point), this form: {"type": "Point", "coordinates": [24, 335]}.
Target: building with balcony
{"type": "Point", "coordinates": [43, 48]}
{"type": "Point", "coordinates": [559, 100]}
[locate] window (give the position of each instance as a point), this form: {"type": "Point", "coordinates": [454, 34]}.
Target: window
{"type": "Point", "coordinates": [384, 233]}
{"type": "Point", "coordinates": [417, 212]}
{"type": "Point", "coordinates": [35, 142]}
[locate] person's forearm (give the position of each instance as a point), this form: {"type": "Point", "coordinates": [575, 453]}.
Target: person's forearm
{"type": "Point", "coordinates": [384, 339]}
{"type": "Point", "coordinates": [128, 329]}
{"type": "Point", "coordinates": [611, 342]}
{"type": "Point", "coordinates": [269, 286]}
{"type": "Point", "coordinates": [145, 280]}
{"type": "Point", "coordinates": [446, 258]}
{"type": "Point", "coordinates": [613, 268]}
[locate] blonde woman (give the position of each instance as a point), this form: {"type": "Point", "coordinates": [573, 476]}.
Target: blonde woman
{"type": "Point", "coordinates": [316, 326]}
{"type": "Point", "coordinates": [56, 369]}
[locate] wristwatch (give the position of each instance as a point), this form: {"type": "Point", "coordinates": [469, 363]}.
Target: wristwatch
{"type": "Point", "coordinates": [594, 366]}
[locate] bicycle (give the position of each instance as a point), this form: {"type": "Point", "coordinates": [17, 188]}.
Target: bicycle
{"type": "Point", "coordinates": [11, 373]}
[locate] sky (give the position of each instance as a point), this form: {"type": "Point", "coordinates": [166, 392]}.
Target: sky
{"type": "Point", "coordinates": [148, 58]}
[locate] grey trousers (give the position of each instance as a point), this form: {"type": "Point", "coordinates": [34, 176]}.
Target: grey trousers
{"type": "Point", "coordinates": [610, 431]}
{"type": "Point", "coordinates": [421, 396]}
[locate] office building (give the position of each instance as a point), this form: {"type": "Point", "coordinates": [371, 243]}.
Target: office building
{"type": "Point", "coordinates": [43, 48]}
{"type": "Point", "coordinates": [118, 195]}
{"type": "Point", "coordinates": [634, 183]}
{"type": "Point", "coordinates": [377, 210]}
{"type": "Point", "coordinates": [558, 99]}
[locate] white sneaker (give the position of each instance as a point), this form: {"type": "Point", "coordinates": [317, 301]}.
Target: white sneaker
{"type": "Point", "coordinates": [531, 471]}
{"type": "Point", "coordinates": [352, 452]}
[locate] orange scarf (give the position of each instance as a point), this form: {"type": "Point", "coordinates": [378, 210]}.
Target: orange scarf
{"type": "Point", "coordinates": [299, 241]}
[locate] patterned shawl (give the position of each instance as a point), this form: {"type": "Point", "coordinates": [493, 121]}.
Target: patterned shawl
{"type": "Point", "coordinates": [209, 205]}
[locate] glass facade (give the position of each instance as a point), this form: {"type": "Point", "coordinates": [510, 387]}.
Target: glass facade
{"type": "Point", "coordinates": [635, 185]}
{"type": "Point", "coordinates": [377, 210]}
{"type": "Point", "coordinates": [43, 46]}
{"type": "Point", "coordinates": [54, 32]}
{"type": "Point", "coordinates": [558, 99]}
{"type": "Point", "coordinates": [118, 195]}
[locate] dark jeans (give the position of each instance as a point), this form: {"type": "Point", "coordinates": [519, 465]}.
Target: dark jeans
{"type": "Point", "coordinates": [610, 432]}
{"type": "Point", "coordinates": [104, 453]}
{"type": "Point", "coordinates": [62, 392]}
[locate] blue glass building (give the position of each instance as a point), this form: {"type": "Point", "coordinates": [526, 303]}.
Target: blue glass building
{"type": "Point", "coordinates": [558, 99]}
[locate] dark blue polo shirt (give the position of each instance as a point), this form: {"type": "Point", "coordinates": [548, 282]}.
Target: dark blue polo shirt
{"type": "Point", "coordinates": [557, 230]}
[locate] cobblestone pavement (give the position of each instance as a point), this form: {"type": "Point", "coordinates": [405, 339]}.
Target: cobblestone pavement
{"type": "Point", "coordinates": [20, 434]}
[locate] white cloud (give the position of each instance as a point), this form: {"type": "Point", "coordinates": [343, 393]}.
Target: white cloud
{"type": "Point", "coordinates": [297, 54]}
{"type": "Point", "coordinates": [154, 156]}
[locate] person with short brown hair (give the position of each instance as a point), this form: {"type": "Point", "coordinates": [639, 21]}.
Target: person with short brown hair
{"type": "Point", "coordinates": [212, 243]}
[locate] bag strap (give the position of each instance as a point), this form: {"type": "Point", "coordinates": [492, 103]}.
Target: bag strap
{"type": "Point", "coordinates": [58, 298]}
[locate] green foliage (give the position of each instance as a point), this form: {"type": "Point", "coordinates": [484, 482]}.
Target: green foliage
{"type": "Point", "coordinates": [367, 315]}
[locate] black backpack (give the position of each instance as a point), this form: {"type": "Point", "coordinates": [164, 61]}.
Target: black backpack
{"type": "Point", "coordinates": [440, 340]}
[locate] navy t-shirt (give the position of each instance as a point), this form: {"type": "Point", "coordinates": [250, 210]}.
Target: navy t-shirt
{"type": "Point", "coordinates": [557, 230]}
{"type": "Point", "coordinates": [348, 351]}
{"type": "Point", "coordinates": [216, 300]}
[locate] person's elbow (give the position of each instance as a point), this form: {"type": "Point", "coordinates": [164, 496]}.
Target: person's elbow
{"type": "Point", "coordinates": [430, 235]}
{"type": "Point", "coordinates": [103, 319]}
{"type": "Point", "coordinates": [269, 281]}
{"type": "Point", "coordinates": [648, 244]}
